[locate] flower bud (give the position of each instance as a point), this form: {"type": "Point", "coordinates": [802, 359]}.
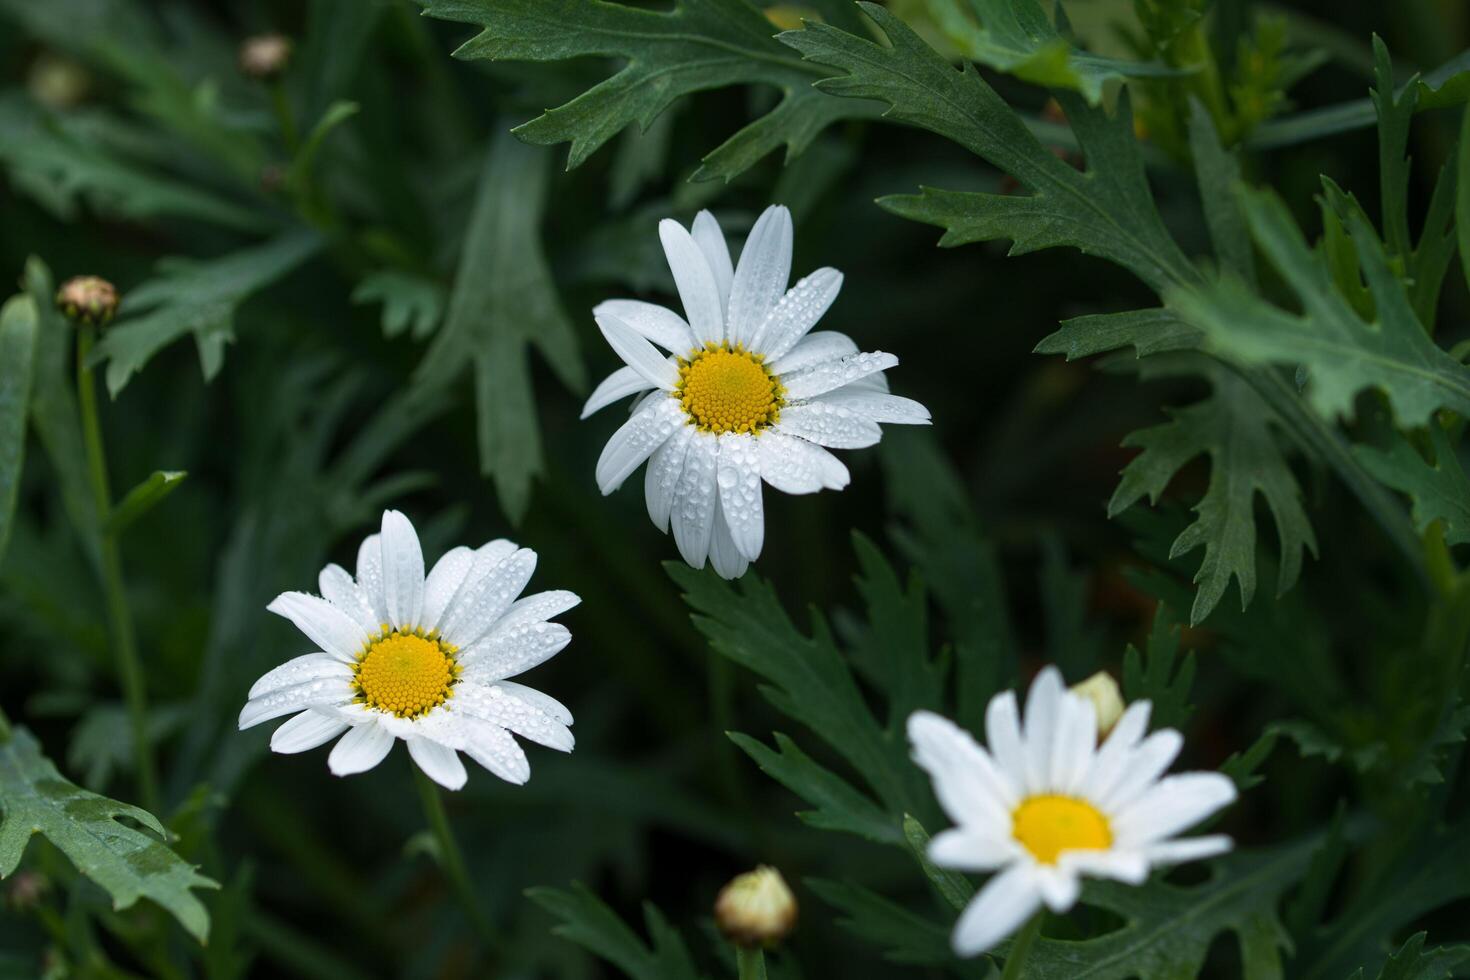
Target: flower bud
{"type": "Point", "coordinates": [88, 299]}
{"type": "Point", "coordinates": [265, 56]}
{"type": "Point", "coordinates": [25, 890]}
{"type": "Point", "coordinates": [57, 82]}
{"type": "Point", "coordinates": [1106, 698]}
{"type": "Point", "coordinates": [756, 908]}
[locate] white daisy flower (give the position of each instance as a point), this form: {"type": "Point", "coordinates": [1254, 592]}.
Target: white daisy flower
{"type": "Point", "coordinates": [746, 393]}
{"type": "Point", "coordinates": [423, 659]}
{"type": "Point", "coordinates": [1047, 805]}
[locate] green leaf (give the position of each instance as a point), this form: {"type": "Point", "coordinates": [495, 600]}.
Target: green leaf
{"type": "Point", "coordinates": [839, 805]}
{"type": "Point", "coordinates": [1214, 168]}
{"type": "Point", "coordinates": [504, 301]}
{"type": "Point", "coordinates": [1018, 38]}
{"type": "Point", "coordinates": [1167, 929]}
{"type": "Point", "coordinates": [1107, 211]}
{"type": "Point", "coordinates": [335, 115]}
{"type": "Point", "coordinates": [588, 922]}
{"type": "Point", "coordinates": [410, 302]}
{"type": "Point", "coordinates": [1239, 433]}
{"type": "Point", "coordinates": [1342, 353]}
{"type": "Point", "coordinates": [1437, 491]}
{"type": "Point", "coordinates": [1412, 962]}
{"type": "Point", "coordinates": [1158, 681]}
{"type": "Point", "coordinates": [127, 863]}
{"type": "Point", "coordinates": [1243, 766]}
{"type": "Point", "coordinates": [952, 886]}
{"type": "Point", "coordinates": [198, 297]}
{"type": "Point", "coordinates": [694, 46]}
{"type": "Point", "coordinates": [1146, 331]}
{"type": "Point", "coordinates": [142, 498]}
{"type": "Point", "coordinates": [17, 368]}
{"type": "Point", "coordinates": [902, 934]}
{"type": "Point", "coordinates": [1462, 197]}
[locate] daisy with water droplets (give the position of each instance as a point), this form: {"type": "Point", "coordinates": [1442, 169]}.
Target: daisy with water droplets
{"type": "Point", "coordinates": [747, 392]}
{"type": "Point", "coordinates": [425, 659]}
{"type": "Point", "coordinates": [1043, 804]}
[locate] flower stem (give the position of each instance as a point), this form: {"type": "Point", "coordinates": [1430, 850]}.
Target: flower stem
{"type": "Point", "coordinates": [1021, 948]}
{"type": "Point", "coordinates": [751, 962]}
{"type": "Point", "coordinates": [120, 618]}
{"type": "Point", "coordinates": [451, 859]}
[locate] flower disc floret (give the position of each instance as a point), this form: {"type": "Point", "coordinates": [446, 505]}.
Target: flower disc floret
{"type": "Point", "coordinates": [407, 674]}
{"type": "Point", "coordinates": [1049, 824]}
{"type": "Point", "coordinates": [728, 389]}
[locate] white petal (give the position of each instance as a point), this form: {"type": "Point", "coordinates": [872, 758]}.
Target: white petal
{"type": "Point", "coordinates": [1141, 768]}
{"type": "Point", "coordinates": [338, 588]}
{"type": "Point", "coordinates": [1174, 804]}
{"type": "Point", "coordinates": [370, 575]}
{"type": "Point", "coordinates": [515, 651]}
{"type": "Point", "coordinates": [798, 311]}
{"type": "Point", "coordinates": [1108, 764]}
{"type": "Point", "coordinates": [494, 748]}
{"type": "Point", "coordinates": [711, 241]}
{"type": "Point", "coordinates": [1188, 849]}
{"type": "Point", "coordinates": [1059, 887]}
{"type": "Point", "coordinates": [830, 426]}
{"type": "Point", "coordinates": [966, 849]}
{"type": "Point", "coordinates": [878, 406]}
{"type": "Point", "coordinates": [486, 595]}
{"type": "Point", "coordinates": [403, 571]}
{"type": "Point", "coordinates": [1074, 743]}
{"type": "Point", "coordinates": [724, 557]}
{"type": "Point", "coordinates": [662, 476]}
{"type": "Point", "coordinates": [815, 348]}
{"type": "Point", "coordinates": [362, 748]}
{"type": "Point", "coordinates": [1127, 866]}
{"type": "Point", "coordinates": [553, 708]}
{"type": "Point", "coordinates": [444, 580]}
{"type": "Point", "coordinates": [739, 477]}
{"type": "Point", "coordinates": [638, 353]}
{"type": "Point", "coordinates": [1043, 705]}
{"type": "Point", "coordinates": [289, 700]}
{"type": "Point", "coordinates": [659, 324]}
{"type": "Point", "coordinates": [637, 439]}
{"type": "Point", "coordinates": [970, 789]}
{"type": "Point", "coordinates": [439, 762]}
{"type": "Point", "coordinates": [761, 275]}
{"type": "Point", "coordinates": [830, 375]}
{"type": "Point", "coordinates": [620, 384]}
{"type": "Point", "coordinates": [503, 706]}
{"type": "Point", "coordinates": [323, 623]}
{"type": "Point", "coordinates": [698, 288]}
{"type": "Point", "coordinates": [1006, 901]}
{"type": "Point", "coordinates": [300, 670]}
{"type": "Point", "coordinates": [537, 608]}
{"type": "Point", "coordinates": [306, 731]}
{"type": "Point", "coordinates": [693, 516]}
{"type": "Point", "coordinates": [1003, 736]}
{"type": "Point", "coordinates": [794, 465]}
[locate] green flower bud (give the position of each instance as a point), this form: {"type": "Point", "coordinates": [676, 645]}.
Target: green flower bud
{"type": "Point", "coordinates": [88, 299]}
{"type": "Point", "coordinates": [756, 908]}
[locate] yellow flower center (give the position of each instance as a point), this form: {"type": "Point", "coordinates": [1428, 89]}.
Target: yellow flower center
{"type": "Point", "coordinates": [728, 389]}
{"type": "Point", "coordinates": [1049, 825]}
{"type": "Point", "coordinates": [406, 674]}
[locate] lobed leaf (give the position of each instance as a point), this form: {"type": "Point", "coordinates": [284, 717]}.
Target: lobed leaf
{"type": "Point", "coordinates": [587, 921]}
{"type": "Point", "coordinates": [1437, 491]}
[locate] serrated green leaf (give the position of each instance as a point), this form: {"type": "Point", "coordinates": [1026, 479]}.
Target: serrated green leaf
{"type": "Point", "coordinates": [1437, 491]}
{"type": "Point", "coordinates": [1146, 331]}
{"type": "Point", "coordinates": [1343, 354]}
{"type": "Point", "coordinates": [892, 648]}
{"type": "Point", "coordinates": [1239, 433]}
{"type": "Point", "coordinates": [952, 886]}
{"type": "Point", "coordinates": [1156, 680]}
{"type": "Point", "coordinates": [1214, 168]}
{"type": "Point", "coordinates": [1311, 740]}
{"type": "Point", "coordinates": [588, 922]}
{"type": "Point", "coordinates": [903, 935]}
{"type": "Point", "coordinates": [128, 864]}
{"type": "Point", "coordinates": [410, 302]}
{"type": "Point", "coordinates": [142, 498]}
{"type": "Point", "coordinates": [695, 46]}
{"type": "Point", "coordinates": [1462, 196]}
{"type": "Point", "coordinates": [18, 320]}
{"type": "Point", "coordinates": [194, 297]}
{"type": "Point", "coordinates": [503, 303]}
{"type": "Point", "coordinates": [1413, 962]}
{"type": "Point", "coordinates": [1243, 766]}
{"type": "Point", "coordinates": [839, 805]}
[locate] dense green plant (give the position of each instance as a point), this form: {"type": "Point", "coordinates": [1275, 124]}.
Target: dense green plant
{"type": "Point", "coordinates": [334, 278]}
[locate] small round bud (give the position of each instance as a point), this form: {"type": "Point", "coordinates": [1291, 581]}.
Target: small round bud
{"type": "Point", "coordinates": [88, 299]}
{"type": "Point", "coordinates": [25, 890]}
{"type": "Point", "coordinates": [756, 908]}
{"type": "Point", "coordinates": [265, 56]}
{"type": "Point", "coordinates": [57, 82]}
{"type": "Point", "coordinates": [1106, 698]}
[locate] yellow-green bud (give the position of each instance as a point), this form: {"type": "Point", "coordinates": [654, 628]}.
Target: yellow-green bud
{"type": "Point", "coordinates": [57, 82]}
{"type": "Point", "coordinates": [88, 299]}
{"type": "Point", "coordinates": [1106, 698]}
{"type": "Point", "coordinates": [756, 908]}
{"type": "Point", "coordinates": [265, 56]}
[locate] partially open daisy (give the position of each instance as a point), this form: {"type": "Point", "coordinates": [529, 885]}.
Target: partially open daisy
{"type": "Point", "coordinates": [1046, 805]}
{"type": "Point", "coordinates": [747, 393]}
{"type": "Point", "coordinates": [423, 659]}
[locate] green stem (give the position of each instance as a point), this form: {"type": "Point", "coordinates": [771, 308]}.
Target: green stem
{"type": "Point", "coordinates": [1021, 948]}
{"type": "Point", "coordinates": [751, 962]}
{"type": "Point", "coordinates": [4, 727]}
{"type": "Point", "coordinates": [120, 618]}
{"type": "Point", "coordinates": [285, 118]}
{"type": "Point", "coordinates": [451, 859]}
